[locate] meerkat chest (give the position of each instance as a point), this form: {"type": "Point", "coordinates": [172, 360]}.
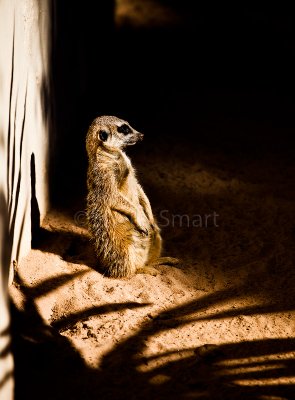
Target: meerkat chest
{"type": "Point", "coordinates": [126, 179]}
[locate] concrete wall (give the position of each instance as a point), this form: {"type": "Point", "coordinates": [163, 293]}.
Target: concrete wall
{"type": "Point", "coordinates": [25, 40]}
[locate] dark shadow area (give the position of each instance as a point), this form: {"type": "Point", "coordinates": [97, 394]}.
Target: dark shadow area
{"type": "Point", "coordinates": [82, 65]}
{"type": "Point", "coordinates": [45, 362]}
{"type": "Point", "coordinates": [70, 246]}
{"type": "Point", "coordinates": [35, 211]}
{"type": "Point", "coordinates": [226, 66]}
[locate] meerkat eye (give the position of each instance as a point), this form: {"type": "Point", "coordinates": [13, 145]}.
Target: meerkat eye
{"type": "Point", "coordinates": [125, 129]}
{"type": "Point", "coordinates": [103, 135]}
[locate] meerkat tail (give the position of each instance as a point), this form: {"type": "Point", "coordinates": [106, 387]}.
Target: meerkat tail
{"type": "Point", "coordinates": [165, 261]}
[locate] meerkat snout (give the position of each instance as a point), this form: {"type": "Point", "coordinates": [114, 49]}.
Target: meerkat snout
{"type": "Point", "coordinates": [133, 138]}
{"type": "Point", "coordinates": [129, 135]}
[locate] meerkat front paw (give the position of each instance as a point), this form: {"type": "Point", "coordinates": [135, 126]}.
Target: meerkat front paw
{"type": "Point", "coordinates": [144, 232]}
{"type": "Point", "coordinates": [141, 228]}
{"type": "Point", "coordinates": [143, 224]}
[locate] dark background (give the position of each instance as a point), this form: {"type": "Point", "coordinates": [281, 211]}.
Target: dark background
{"type": "Point", "coordinates": [221, 76]}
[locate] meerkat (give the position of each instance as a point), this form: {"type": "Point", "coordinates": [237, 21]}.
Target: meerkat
{"type": "Point", "coordinates": [126, 237]}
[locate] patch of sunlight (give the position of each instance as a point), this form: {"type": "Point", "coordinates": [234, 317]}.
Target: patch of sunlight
{"type": "Point", "coordinates": [138, 13]}
{"type": "Point", "coordinates": [259, 359]}
{"type": "Point", "coordinates": [247, 369]}
{"type": "Point", "coordinates": [159, 379]}
{"type": "Point", "coordinates": [286, 381]}
{"type": "Point", "coordinates": [148, 364]}
{"type": "Point", "coordinates": [271, 397]}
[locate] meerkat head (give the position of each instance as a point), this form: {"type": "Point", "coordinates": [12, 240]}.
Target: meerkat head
{"type": "Point", "coordinates": [111, 133]}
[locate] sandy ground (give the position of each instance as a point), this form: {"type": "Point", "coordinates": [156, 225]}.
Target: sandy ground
{"type": "Point", "coordinates": [219, 326]}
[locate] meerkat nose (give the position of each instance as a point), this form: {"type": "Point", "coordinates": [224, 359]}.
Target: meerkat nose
{"type": "Point", "coordinates": [140, 135]}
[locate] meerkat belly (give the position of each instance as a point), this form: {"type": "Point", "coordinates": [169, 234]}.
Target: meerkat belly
{"type": "Point", "coordinates": [139, 243]}
{"type": "Point", "coordinates": [129, 188]}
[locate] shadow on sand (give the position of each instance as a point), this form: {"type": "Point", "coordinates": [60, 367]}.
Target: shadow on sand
{"type": "Point", "coordinates": [47, 366]}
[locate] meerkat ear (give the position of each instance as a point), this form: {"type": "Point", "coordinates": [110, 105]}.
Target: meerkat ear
{"type": "Point", "coordinates": [103, 135]}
